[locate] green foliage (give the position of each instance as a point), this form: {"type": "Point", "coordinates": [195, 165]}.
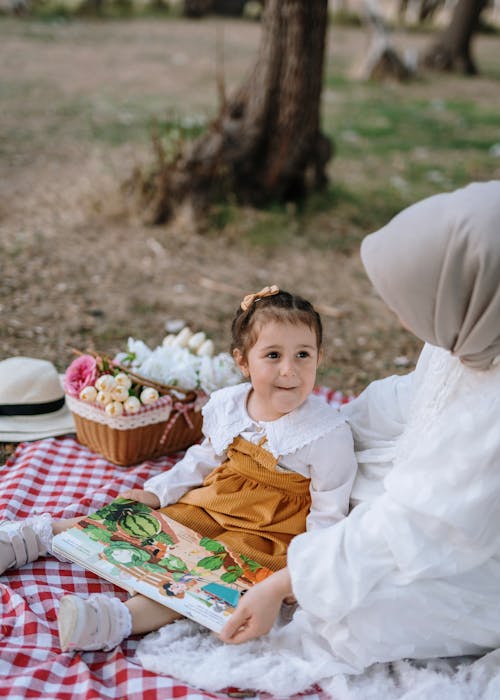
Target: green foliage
{"type": "Point", "coordinates": [164, 538]}
{"type": "Point", "coordinates": [173, 563]}
{"type": "Point", "coordinates": [136, 556]}
{"type": "Point", "coordinates": [232, 574]}
{"type": "Point", "coordinates": [98, 534]}
{"type": "Point", "coordinates": [252, 565]}
{"type": "Point", "coordinates": [212, 545]}
{"type": "Point", "coordinates": [211, 563]}
{"type": "Point", "coordinates": [119, 508]}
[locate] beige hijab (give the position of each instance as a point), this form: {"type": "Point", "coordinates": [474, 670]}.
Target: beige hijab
{"type": "Point", "coordinates": [437, 265]}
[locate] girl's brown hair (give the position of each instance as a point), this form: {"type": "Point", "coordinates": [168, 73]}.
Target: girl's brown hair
{"type": "Point", "coordinates": [282, 307]}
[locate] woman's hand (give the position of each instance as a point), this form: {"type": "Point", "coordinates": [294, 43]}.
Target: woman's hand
{"type": "Point", "coordinates": [257, 609]}
{"type": "Point", "coordinates": [141, 496]}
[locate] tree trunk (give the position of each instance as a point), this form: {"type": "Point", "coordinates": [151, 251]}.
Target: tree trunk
{"type": "Point", "coordinates": [266, 143]}
{"type": "Point", "coordinates": [452, 50]}
{"type": "Point", "coordinates": [197, 8]}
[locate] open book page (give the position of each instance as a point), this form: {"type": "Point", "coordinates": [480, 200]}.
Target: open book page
{"type": "Point", "coordinates": [143, 551]}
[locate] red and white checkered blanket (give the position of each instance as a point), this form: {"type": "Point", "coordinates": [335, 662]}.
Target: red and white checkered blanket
{"type": "Point", "coordinates": [62, 477]}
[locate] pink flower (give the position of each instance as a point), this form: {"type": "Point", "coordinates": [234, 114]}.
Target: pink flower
{"type": "Point", "coordinates": [82, 372]}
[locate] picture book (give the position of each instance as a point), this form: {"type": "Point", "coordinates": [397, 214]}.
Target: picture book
{"type": "Point", "coordinates": [143, 551]}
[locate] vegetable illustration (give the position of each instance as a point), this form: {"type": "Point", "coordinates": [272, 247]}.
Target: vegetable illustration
{"type": "Point", "coordinates": [140, 525]}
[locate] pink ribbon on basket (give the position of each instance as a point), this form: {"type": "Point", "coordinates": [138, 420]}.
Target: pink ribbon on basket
{"type": "Point", "coordinates": [184, 408]}
{"type": "Point", "coordinates": [180, 409]}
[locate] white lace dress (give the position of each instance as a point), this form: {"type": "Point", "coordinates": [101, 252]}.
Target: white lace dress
{"type": "Point", "coordinates": [412, 572]}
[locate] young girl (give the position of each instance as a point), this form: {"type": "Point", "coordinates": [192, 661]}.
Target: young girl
{"type": "Point", "coordinates": [275, 461]}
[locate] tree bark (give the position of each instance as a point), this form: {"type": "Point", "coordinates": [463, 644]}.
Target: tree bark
{"type": "Point", "coordinates": [266, 143]}
{"type": "Point", "coordinates": [452, 50]}
{"type": "Point", "coordinates": [197, 8]}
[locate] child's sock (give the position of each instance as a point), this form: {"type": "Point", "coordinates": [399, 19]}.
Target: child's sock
{"type": "Point", "coordinates": [99, 622]}
{"type": "Point", "coordinates": [24, 541]}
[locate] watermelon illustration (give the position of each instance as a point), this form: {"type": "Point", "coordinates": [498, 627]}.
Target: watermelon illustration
{"type": "Point", "coordinates": [142, 526]}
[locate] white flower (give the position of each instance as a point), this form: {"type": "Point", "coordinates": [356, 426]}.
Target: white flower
{"type": "Point", "coordinates": [216, 372]}
{"type": "Point", "coordinates": [226, 370]}
{"type": "Point", "coordinates": [181, 339]}
{"type": "Point", "coordinates": [122, 379]}
{"type": "Point", "coordinates": [206, 375]}
{"type": "Point", "coordinates": [196, 340]}
{"type": "Point", "coordinates": [184, 375]}
{"type": "Point", "coordinates": [174, 325]}
{"type": "Point", "coordinates": [114, 408]}
{"type": "Point", "coordinates": [206, 348]}
{"type": "Point", "coordinates": [105, 383]}
{"type": "Point", "coordinates": [149, 395]}
{"type": "Point", "coordinates": [171, 365]}
{"type": "Point", "coordinates": [132, 404]}
{"type": "Point", "coordinates": [174, 364]}
{"type": "Point", "coordinates": [168, 340]}
{"type": "Point", "coordinates": [153, 369]}
{"type": "Point", "coordinates": [119, 393]}
{"type": "Point", "coordinates": [89, 394]}
{"type": "Point", "coordinates": [103, 398]}
{"type": "Point", "coordinates": [139, 349]}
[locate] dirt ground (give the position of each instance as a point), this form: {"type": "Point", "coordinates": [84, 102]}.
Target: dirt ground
{"type": "Point", "coordinates": [78, 269]}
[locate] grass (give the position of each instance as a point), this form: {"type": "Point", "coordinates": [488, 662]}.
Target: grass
{"type": "Point", "coordinates": [434, 124]}
{"type": "Point", "coordinates": [394, 144]}
{"type": "Point", "coordinates": [50, 11]}
{"type": "Point", "coordinates": [410, 148]}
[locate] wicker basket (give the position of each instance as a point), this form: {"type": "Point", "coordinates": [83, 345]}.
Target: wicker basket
{"type": "Point", "coordinates": [171, 424]}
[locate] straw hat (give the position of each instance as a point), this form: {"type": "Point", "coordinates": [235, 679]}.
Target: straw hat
{"type": "Point", "coordinates": [32, 403]}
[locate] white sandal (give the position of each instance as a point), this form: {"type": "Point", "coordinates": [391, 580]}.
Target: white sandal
{"type": "Point", "coordinates": [99, 622]}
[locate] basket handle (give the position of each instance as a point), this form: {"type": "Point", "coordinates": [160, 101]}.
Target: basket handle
{"type": "Point", "coordinates": [163, 389]}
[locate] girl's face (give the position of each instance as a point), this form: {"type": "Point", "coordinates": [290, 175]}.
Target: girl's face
{"type": "Point", "coordinates": [282, 368]}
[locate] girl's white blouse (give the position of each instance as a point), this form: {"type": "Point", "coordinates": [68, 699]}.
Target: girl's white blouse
{"type": "Point", "coordinates": [314, 440]}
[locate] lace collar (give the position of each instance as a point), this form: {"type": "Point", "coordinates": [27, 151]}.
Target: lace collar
{"type": "Point", "coordinates": [225, 416]}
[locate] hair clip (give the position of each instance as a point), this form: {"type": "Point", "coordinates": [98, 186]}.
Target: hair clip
{"type": "Point", "coordinates": [265, 292]}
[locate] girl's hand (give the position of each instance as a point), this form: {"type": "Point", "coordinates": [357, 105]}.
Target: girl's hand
{"type": "Point", "coordinates": [141, 496]}
{"type": "Point", "coordinates": [257, 609]}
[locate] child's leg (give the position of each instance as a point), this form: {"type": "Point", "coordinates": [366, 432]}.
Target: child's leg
{"type": "Point", "coordinates": [147, 615]}
{"type": "Point", "coordinates": [102, 622]}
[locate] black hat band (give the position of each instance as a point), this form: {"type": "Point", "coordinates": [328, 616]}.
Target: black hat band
{"type": "Point", "coordinates": [30, 409]}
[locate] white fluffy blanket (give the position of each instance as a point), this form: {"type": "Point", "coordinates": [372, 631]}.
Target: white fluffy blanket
{"type": "Point", "coordinates": [196, 656]}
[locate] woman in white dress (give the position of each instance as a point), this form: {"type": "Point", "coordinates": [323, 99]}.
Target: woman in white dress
{"type": "Point", "coordinates": [414, 570]}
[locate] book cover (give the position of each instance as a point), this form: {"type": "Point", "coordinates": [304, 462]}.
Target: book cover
{"type": "Point", "coordinates": [143, 551]}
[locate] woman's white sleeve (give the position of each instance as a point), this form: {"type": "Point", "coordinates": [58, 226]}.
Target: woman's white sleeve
{"type": "Point", "coordinates": [377, 418]}
{"type": "Point", "coordinates": [379, 413]}
{"type": "Point", "coordinates": [333, 468]}
{"type": "Point", "coordinates": [189, 473]}
{"type": "Point", "coordinates": [332, 569]}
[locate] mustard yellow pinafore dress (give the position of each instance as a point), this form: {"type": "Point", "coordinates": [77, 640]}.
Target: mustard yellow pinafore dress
{"type": "Point", "coordinates": [248, 505]}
